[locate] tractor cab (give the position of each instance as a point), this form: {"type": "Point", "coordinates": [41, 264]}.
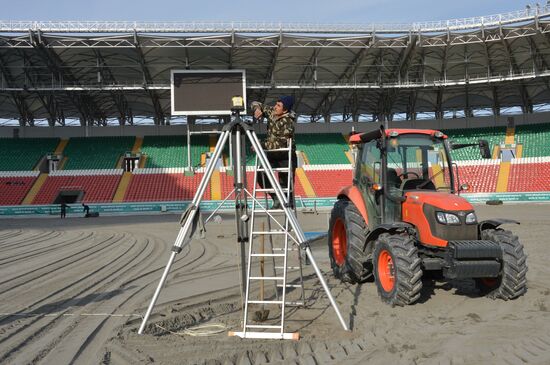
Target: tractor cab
{"type": "Point", "coordinates": [395, 162]}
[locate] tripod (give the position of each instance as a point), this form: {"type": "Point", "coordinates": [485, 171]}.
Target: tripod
{"type": "Point", "coordinates": [191, 216]}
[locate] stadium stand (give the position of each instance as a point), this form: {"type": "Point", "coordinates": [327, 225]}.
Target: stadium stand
{"type": "Point", "coordinates": [22, 154]}
{"type": "Point", "coordinates": [228, 180]}
{"type": "Point", "coordinates": [481, 175]}
{"type": "Point", "coordinates": [529, 174]}
{"type": "Point", "coordinates": [15, 185]}
{"type": "Point", "coordinates": [535, 139]}
{"type": "Point", "coordinates": [95, 152]}
{"type": "Point", "coordinates": [163, 184]}
{"type": "Point", "coordinates": [324, 148]}
{"type": "Point", "coordinates": [494, 136]}
{"type": "Point", "coordinates": [171, 151]}
{"type": "Point", "coordinates": [98, 185]}
{"type": "Point", "coordinates": [328, 180]}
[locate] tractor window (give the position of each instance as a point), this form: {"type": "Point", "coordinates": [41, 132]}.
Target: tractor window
{"type": "Point", "coordinates": [420, 161]}
{"type": "Point", "coordinates": [370, 162]}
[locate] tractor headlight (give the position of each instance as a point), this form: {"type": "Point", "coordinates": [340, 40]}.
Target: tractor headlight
{"type": "Point", "coordinates": [447, 218]}
{"type": "Point", "coordinates": [471, 218]}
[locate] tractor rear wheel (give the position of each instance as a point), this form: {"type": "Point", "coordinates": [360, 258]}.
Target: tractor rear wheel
{"type": "Point", "coordinates": [512, 282]}
{"type": "Point", "coordinates": [397, 270]}
{"type": "Point", "coordinates": [346, 238]}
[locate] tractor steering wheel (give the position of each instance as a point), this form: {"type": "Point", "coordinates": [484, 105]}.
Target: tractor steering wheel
{"type": "Point", "coordinates": [403, 174]}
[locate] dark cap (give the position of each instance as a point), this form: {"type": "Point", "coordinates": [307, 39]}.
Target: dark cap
{"type": "Point", "coordinates": [288, 102]}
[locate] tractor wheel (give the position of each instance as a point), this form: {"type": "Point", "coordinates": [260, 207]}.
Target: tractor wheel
{"type": "Point", "coordinates": [397, 270]}
{"type": "Point", "coordinates": [346, 238]}
{"type": "Point", "coordinates": [512, 282]}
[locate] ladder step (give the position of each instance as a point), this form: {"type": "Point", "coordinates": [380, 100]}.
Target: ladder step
{"type": "Point", "coordinates": [265, 302]}
{"type": "Point", "coordinates": [274, 169]}
{"type": "Point", "coordinates": [263, 326]}
{"type": "Point", "coordinates": [267, 255]}
{"type": "Point", "coordinates": [271, 190]}
{"type": "Point", "coordinates": [266, 278]}
{"type": "Point", "coordinates": [267, 335]}
{"type": "Point", "coordinates": [294, 303]}
{"type": "Point", "coordinates": [289, 286]}
{"type": "Point", "coordinates": [269, 232]}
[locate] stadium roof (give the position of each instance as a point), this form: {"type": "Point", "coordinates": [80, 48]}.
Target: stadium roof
{"type": "Point", "coordinates": [118, 72]}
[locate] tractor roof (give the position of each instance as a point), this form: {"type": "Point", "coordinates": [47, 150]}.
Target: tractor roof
{"type": "Point", "coordinates": [369, 136]}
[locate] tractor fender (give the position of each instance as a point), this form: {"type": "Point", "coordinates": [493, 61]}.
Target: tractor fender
{"type": "Point", "coordinates": [387, 227]}
{"type": "Point", "coordinates": [494, 223]}
{"type": "Point", "coordinates": [353, 194]}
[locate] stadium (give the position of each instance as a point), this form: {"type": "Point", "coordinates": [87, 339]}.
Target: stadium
{"type": "Point", "coordinates": [86, 119]}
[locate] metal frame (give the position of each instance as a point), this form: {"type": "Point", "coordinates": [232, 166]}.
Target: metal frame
{"type": "Point", "coordinates": [381, 69]}
{"type": "Point", "coordinates": [191, 216]}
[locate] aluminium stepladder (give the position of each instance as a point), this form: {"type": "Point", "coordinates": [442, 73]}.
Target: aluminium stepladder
{"type": "Point", "coordinates": [237, 130]}
{"type": "Point", "coordinates": [281, 243]}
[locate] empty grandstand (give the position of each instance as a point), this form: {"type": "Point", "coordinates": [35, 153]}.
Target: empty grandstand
{"type": "Point", "coordinates": [90, 102]}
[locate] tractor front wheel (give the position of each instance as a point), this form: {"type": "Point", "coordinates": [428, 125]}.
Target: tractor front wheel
{"type": "Point", "coordinates": [346, 239]}
{"type": "Point", "coordinates": [397, 270]}
{"type": "Point", "coordinates": [512, 282]}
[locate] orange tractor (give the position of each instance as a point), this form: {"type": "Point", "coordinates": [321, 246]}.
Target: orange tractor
{"type": "Point", "coordinates": [403, 218]}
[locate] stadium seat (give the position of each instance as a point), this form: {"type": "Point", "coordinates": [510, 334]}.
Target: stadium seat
{"type": "Point", "coordinates": [157, 185]}
{"type": "Point", "coordinates": [535, 139]}
{"type": "Point", "coordinates": [171, 151]}
{"type": "Point", "coordinates": [22, 154]}
{"type": "Point", "coordinates": [495, 136]}
{"type": "Point", "coordinates": [530, 174]}
{"type": "Point", "coordinates": [96, 152]}
{"type": "Point", "coordinates": [14, 189]}
{"type": "Point", "coordinates": [97, 188]}
{"type": "Point", "coordinates": [324, 148]}
{"type": "Point", "coordinates": [327, 183]}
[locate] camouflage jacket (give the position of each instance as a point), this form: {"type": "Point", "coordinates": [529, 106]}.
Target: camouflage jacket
{"type": "Point", "coordinates": [279, 129]}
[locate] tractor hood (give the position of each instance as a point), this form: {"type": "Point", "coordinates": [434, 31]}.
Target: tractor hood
{"type": "Point", "coordinates": [443, 201]}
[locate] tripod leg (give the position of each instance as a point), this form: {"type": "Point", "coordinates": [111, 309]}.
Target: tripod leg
{"type": "Point", "coordinates": [183, 235]}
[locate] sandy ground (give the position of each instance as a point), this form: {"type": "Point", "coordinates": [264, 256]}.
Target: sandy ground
{"type": "Point", "coordinates": [73, 290]}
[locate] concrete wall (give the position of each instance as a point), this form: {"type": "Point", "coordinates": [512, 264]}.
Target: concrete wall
{"type": "Point", "coordinates": [476, 122]}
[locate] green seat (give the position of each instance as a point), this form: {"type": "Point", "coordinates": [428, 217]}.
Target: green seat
{"type": "Point", "coordinates": [324, 148]}
{"type": "Point", "coordinates": [171, 151]}
{"type": "Point", "coordinates": [493, 135]}
{"type": "Point", "coordinates": [93, 153]}
{"type": "Point", "coordinates": [22, 154]}
{"type": "Point", "coordinates": [535, 139]}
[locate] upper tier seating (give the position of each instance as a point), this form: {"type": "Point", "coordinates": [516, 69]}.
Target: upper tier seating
{"type": "Point", "coordinates": [529, 174]}
{"type": "Point", "coordinates": [323, 149]}
{"type": "Point", "coordinates": [22, 154]}
{"type": "Point", "coordinates": [97, 188]}
{"type": "Point", "coordinates": [535, 139]}
{"type": "Point", "coordinates": [14, 189]}
{"type": "Point", "coordinates": [164, 187]}
{"type": "Point", "coordinates": [171, 151]}
{"type": "Point", "coordinates": [96, 152]}
{"type": "Point", "coordinates": [495, 136]}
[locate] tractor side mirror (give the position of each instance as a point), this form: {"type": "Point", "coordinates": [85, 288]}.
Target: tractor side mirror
{"type": "Point", "coordinates": [484, 148]}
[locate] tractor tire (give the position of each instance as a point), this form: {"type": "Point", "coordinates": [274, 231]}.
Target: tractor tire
{"type": "Point", "coordinates": [397, 269]}
{"type": "Point", "coordinates": [512, 283]}
{"type": "Point", "coordinates": [346, 239]}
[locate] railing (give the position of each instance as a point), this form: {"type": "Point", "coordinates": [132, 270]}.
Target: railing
{"type": "Point", "coordinates": [526, 14]}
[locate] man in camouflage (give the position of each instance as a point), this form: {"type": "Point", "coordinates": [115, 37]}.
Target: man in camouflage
{"type": "Point", "coordinates": [280, 128]}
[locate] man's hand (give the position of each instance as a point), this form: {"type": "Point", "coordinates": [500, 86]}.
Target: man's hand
{"type": "Point", "coordinates": [258, 113]}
